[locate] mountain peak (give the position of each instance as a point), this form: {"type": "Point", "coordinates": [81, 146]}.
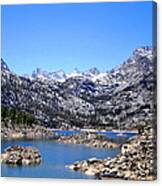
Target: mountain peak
{"type": "Point", "coordinates": [94, 74]}
{"type": "Point", "coordinates": [126, 92]}
{"type": "Point", "coordinates": [94, 71]}
{"type": "Point", "coordinates": [4, 65]}
{"type": "Point", "coordinates": [143, 52]}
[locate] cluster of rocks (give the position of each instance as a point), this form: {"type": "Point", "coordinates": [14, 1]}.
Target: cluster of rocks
{"type": "Point", "coordinates": [25, 132]}
{"type": "Point", "coordinates": [137, 160]}
{"type": "Point", "coordinates": [89, 139]}
{"type": "Point", "coordinates": [21, 156]}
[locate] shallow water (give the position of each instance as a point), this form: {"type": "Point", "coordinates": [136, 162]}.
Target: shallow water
{"type": "Point", "coordinates": [55, 156]}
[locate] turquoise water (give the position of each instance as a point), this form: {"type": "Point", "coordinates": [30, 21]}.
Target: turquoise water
{"type": "Point", "coordinates": [55, 156]}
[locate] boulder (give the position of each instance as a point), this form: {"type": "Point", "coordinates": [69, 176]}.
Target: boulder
{"type": "Point", "coordinates": [18, 155]}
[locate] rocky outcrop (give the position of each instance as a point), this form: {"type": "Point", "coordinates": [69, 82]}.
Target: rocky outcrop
{"type": "Point", "coordinates": [21, 156]}
{"type": "Point", "coordinates": [137, 160]}
{"type": "Point", "coordinates": [11, 132]}
{"type": "Point", "coordinates": [89, 139]}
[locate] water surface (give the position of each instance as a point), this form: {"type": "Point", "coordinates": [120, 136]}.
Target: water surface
{"type": "Point", "coordinates": [55, 156]}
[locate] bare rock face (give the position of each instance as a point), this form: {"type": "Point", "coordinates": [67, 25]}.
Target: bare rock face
{"type": "Point", "coordinates": [124, 96]}
{"type": "Point", "coordinates": [21, 156]}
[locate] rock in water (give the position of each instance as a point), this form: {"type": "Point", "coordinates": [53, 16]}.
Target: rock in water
{"type": "Point", "coordinates": [137, 160]}
{"type": "Point", "coordinates": [22, 156]}
{"type": "Point", "coordinates": [89, 139]}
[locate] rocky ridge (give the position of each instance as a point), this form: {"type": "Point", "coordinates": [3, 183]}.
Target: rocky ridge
{"type": "Point", "coordinates": [119, 99]}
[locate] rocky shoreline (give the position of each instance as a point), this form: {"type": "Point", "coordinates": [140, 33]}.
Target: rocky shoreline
{"type": "Point", "coordinates": [26, 132]}
{"type": "Point", "coordinates": [21, 156]}
{"type": "Point", "coordinates": [137, 160]}
{"type": "Point", "coordinates": [89, 139]}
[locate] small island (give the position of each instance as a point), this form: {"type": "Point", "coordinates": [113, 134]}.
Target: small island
{"type": "Point", "coordinates": [21, 156]}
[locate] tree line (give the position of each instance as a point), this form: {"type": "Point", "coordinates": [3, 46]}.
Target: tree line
{"type": "Point", "coordinates": [16, 116]}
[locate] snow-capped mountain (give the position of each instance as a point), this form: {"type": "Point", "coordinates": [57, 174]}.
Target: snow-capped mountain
{"type": "Point", "coordinates": [125, 95]}
{"type": "Point", "coordinates": [92, 74]}
{"type": "Point", "coordinates": [44, 75]}
{"type": "Point", "coordinates": [60, 76]}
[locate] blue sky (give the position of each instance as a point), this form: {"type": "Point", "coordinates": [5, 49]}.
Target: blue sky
{"type": "Point", "coordinates": [68, 36]}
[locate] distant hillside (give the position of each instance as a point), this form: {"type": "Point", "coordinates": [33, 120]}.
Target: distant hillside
{"type": "Point", "coordinates": [117, 99]}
